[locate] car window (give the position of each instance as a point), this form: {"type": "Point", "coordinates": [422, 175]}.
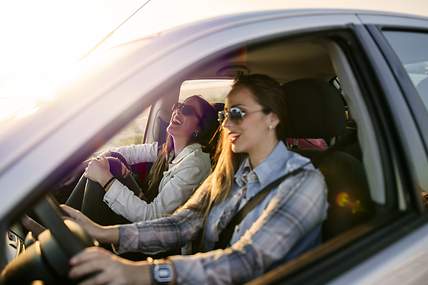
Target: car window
{"type": "Point", "coordinates": [133, 133]}
{"type": "Point", "coordinates": [411, 48]}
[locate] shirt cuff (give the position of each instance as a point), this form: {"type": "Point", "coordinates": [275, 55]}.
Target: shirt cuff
{"type": "Point", "coordinates": [128, 238]}
{"type": "Point", "coordinates": [110, 197]}
{"type": "Point", "coordinates": [188, 269]}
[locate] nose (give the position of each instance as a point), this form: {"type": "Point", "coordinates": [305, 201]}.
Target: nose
{"type": "Point", "coordinates": [227, 123]}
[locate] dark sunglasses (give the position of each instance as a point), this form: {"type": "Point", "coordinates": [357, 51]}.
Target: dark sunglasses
{"type": "Point", "coordinates": [235, 114]}
{"type": "Point", "coordinates": [186, 110]}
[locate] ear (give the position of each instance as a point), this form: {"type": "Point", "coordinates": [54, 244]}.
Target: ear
{"type": "Point", "coordinates": [272, 120]}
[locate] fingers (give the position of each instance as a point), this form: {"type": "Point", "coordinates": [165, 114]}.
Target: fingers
{"type": "Point", "coordinates": [90, 260]}
{"type": "Point", "coordinates": [125, 170]}
{"type": "Point", "coordinates": [97, 264]}
{"type": "Point", "coordinates": [71, 212]}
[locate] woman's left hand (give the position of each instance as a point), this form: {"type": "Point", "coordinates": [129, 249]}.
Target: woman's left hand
{"type": "Point", "coordinates": [98, 170]}
{"type": "Point", "coordinates": [108, 268]}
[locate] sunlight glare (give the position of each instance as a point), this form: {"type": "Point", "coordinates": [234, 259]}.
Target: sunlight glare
{"type": "Point", "coordinates": [41, 40]}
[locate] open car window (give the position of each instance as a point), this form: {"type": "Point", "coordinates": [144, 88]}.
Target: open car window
{"type": "Point", "coordinates": [133, 133]}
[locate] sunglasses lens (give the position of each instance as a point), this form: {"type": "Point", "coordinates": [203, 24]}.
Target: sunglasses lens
{"type": "Point", "coordinates": [236, 114]}
{"type": "Point", "coordinates": [187, 110]}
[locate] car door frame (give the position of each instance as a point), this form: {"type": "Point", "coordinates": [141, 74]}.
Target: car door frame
{"type": "Point", "coordinates": [338, 267]}
{"type": "Point", "coordinates": [410, 245]}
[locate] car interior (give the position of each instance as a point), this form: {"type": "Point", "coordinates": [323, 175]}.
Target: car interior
{"type": "Point", "coordinates": [324, 103]}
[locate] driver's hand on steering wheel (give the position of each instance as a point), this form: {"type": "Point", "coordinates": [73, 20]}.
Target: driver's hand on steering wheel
{"type": "Point", "coordinates": [108, 268]}
{"type": "Point", "coordinates": [104, 234]}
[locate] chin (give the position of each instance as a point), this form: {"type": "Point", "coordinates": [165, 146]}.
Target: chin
{"type": "Point", "coordinates": [237, 148]}
{"type": "Point", "coordinates": [170, 130]}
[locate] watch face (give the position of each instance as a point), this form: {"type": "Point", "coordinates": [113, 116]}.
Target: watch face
{"type": "Point", "coordinates": [162, 273]}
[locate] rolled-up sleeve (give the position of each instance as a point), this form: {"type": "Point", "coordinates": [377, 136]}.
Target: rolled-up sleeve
{"type": "Point", "coordinates": [294, 210]}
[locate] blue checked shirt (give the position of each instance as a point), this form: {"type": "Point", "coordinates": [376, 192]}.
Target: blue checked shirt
{"type": "Point", "coordinates": [286, 223]}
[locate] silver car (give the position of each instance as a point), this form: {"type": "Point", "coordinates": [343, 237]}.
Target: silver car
{"type": "Point", "coordinates": [356, 80]}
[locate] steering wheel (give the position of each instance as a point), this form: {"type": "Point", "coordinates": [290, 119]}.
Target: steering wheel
{"type": "Point", "coordinates": [48, 258]}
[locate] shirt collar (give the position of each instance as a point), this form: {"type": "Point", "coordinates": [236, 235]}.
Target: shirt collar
{"type": "Point", "coordinates": [268, 169]}
{"type": "Point", "coordinates": [279, 162]}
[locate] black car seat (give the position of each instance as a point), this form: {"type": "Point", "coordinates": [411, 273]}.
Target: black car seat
{"type": "Point", "coordinates": [315, 109]}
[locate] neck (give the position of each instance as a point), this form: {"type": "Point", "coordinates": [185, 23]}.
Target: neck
{"type": "Point", "coordinates": [263, 150]}
{"type": "Point", "coordinates": [179, 144]}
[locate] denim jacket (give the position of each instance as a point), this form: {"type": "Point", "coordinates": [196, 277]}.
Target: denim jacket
{"type": "Point", "coordinates": [185, 172]}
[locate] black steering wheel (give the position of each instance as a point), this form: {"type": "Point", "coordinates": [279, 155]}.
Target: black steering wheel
{"type": "Point", "coordinates": [48, 258]}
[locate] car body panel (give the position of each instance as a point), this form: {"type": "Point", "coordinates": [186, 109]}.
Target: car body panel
{"type": "Point", "coordinates": [404, 262]}
{"type": "Point", "coordinates": [45, 146]}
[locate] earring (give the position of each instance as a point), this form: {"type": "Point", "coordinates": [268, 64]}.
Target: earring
{"type": "Point", "coordinates": [195, 134]}
{"type": "Point", "coordinates": [270, 127]}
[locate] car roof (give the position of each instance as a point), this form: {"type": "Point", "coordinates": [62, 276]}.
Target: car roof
{"type": "Point", "coordinates": [154, 17]}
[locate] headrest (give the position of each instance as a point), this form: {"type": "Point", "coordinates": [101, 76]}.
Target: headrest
{"type": "Point", "coordinates": [315, 109]}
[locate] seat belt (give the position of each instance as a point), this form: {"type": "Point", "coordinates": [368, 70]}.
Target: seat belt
{"type": "Point", "coordinates": [226, 235]}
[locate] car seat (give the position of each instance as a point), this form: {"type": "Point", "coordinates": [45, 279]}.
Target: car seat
{"type": "Point", "coordinates": [315, 109]}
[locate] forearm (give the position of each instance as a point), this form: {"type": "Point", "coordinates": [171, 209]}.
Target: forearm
{"type": "Point", "coordinates": [155, 236]}
{"type": "Point", "coordinates": [107, 234]}
{"type": "Point", "coordinates": [138, 153]}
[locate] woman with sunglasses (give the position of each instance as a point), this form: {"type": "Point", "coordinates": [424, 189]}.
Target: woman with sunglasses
{"type": "Point", "coordinates": [108, 194]}
{"type": "Point", "coordinates": [282, 225]}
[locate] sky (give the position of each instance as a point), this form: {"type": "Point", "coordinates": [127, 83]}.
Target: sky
{"type": "Point", "coordinates": [45, 36]}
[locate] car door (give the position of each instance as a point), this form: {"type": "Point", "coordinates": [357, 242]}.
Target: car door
{"type": "Point", "coordinates": [397, 49]}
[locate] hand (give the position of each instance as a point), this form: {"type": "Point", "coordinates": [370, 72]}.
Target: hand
{"type": "Point", "coordinates": [109, 268]}
{"type": "Point", "coordinates": [104, 234]}
{"type": "Point", "coordinates": [32, 226]}
{"type": "Point", "coordinates": [98, 170]}
{"type": "Point", "coordinates": [105, 153]}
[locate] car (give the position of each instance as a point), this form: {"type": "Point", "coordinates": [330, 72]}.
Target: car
{"type": "Point", "coordinates": [355, 79]}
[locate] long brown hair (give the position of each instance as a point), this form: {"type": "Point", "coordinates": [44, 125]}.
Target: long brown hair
{"type": "Point", "coordinates": [208, 125]}
{"type": "Point", "coordinates": [268, 93]}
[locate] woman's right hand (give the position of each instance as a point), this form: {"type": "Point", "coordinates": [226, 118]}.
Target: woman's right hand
{"type": "Point", "coordinates": [104, 234]}
{"type": "Point", "coordinates": [103, 154]}
{"type": "Point", "coordinates": [103, 267]}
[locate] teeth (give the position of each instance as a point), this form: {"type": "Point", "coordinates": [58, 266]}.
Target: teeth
{"type": "Point", "coordinates": [176, 121]}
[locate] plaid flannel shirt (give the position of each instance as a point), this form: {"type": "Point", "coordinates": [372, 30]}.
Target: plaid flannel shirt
{"type": "Point", "coordinates": [284, 224]}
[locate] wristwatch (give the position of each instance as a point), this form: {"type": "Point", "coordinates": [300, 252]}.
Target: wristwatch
{"type": "Point", "coordinates": [162, 272]}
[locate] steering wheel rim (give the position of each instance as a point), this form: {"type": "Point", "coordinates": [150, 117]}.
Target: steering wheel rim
{"type": "Point", "coordinates": [50, 214]}
{"type": "Point", "coordinates": [48, 258]}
